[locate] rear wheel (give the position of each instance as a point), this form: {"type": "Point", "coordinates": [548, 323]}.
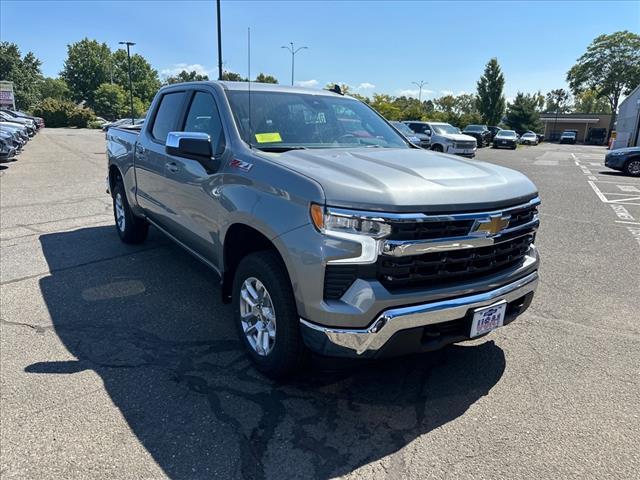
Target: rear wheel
{"type": "Point", "coordinates": [131, 229]}
{"type": "Point", "coordinates": [632, 167]}
{"type": "Point", "coordinates": [266, 316]}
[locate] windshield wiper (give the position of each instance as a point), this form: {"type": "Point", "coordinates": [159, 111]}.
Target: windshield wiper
{"type": "Point", "coordinates": [278, 148]}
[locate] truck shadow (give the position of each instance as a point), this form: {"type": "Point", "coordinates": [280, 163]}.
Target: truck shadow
{"type": "Point", "coordinates": [150, 323]}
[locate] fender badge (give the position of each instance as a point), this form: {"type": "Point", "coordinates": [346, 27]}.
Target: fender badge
{"type": "Point", "coordinates": [246, 166]}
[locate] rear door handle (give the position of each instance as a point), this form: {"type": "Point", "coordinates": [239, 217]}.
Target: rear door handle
{"type": "Point", "coordinates": [172, 167]}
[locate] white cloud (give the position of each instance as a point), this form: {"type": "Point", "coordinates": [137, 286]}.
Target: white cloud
{"type": "Point", "coordinates": [365, 86]}
{"type": "Point", "coordinates": [446, 92]}
{"type": "Point", "coordinates": [307, 83]}
{"type": "Point", "coordinates": [178, 67]}
{"type": "Point", "coordinates": [414, 92]}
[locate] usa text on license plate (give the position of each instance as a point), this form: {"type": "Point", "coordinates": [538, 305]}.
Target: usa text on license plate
{"type": "Point", "coordinates": [488, 318]}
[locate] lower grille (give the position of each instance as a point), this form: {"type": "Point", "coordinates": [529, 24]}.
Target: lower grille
{"type": "Point", "coordinates": [439, 268]}
{"type": "Point", "coordinates": [338, 279]}
{"type": "Point", "coordinates": [466, 145]}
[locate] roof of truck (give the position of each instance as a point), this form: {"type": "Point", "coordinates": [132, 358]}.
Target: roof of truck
{"type": "Point", "coordinates": [265, 87]}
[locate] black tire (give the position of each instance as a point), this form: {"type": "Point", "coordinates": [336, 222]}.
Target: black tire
{"type": "Point", "coordinates": [437, 148]}
{"type": "Point", "coordinates": [288, 354]}
{"type": "Point", "coordinates": [133, 229]}
{"type": "Point", "coordinates": [632, 167]}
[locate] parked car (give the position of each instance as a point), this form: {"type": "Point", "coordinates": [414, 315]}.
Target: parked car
{"type": "Point", "coordinates": [7, 152]}
{"type": "Point", "coordinates": [407, 132]}
{"type": "Point", "coordinates": [39, 121]}
{"type": "Point", "coordinates": [626, 160]}
{"type": "Point", "coordinates": [323, 243]}
{"type": "Point", "coordinates": [540, 137]}
{"type": "Point", "coordinates": [12, 138]}
{"type": "Point", "coordinates": [596, 136]}
{"type": "Point", "coordinates": [506, 139]}
{"type": "Point", "coordinates": [29, 124]}
{"type": "Point", "coordinates": [121, 122]}
{"type": "Point", "coordinates": [22, 130]}
{"type": "Point", "coordinates": [481, 133]}
{"type": "Point", "coordinates": [568, 136]}
{"type": "Point", "coordinates": [446, 138]}
{"type": "Point", "coordinates": [529, 138]}
{"type": "Point", "coordinates": [493, 130]}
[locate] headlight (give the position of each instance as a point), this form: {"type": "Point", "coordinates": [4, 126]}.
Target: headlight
{"type": "Point", "coordinates": [339, 222]}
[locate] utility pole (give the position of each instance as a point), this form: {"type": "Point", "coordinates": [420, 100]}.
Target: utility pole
{"type": "Point", "coordinates": [293, 51]}
{"type": "Point", "coordinates": [130, 44]}
{"type": "Point", "coordinates": [219, 43]}
{"type": "Point", "coordinates": [420, 84]}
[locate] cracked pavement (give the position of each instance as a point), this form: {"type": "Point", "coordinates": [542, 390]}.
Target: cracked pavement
{"type": "Point", "coordinates": [121, 362]}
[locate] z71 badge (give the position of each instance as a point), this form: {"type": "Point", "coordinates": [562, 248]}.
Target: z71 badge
{"type": "Point", "coordinates": [246, 166]}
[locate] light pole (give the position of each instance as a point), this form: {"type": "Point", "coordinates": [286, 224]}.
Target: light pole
{"type": "Point", "coordinates": [420, 84]}
{"type": "Point", "coordinates": [130, 44]}
{"type": "Point", "coordinates": [293, 56]}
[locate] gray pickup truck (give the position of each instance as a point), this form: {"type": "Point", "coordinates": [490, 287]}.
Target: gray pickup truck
{"type": "Point", "coordinates": [330, 232]}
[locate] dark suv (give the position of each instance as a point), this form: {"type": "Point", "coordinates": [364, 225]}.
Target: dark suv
{"type": "Point", "coordinates": [480, 132]}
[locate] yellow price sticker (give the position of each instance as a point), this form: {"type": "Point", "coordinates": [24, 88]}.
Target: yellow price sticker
{"type": "Point", "coordinates": [268, 137]}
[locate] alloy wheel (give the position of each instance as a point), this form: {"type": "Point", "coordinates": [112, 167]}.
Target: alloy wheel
{"type": "Point", "coordinates": [257, 316]}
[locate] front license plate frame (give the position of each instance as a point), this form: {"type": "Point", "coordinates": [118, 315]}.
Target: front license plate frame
{"type": "Point", "coordinates": [487, 319]}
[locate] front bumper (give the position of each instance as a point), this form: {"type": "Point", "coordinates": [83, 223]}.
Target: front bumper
{"type": "Point", "coordinates": [615, 162]}
{"type": "Point", "coordinates": [410, 329]}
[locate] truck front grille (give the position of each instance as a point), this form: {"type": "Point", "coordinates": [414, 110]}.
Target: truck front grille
{"type": "Point", "coordinates": [438, 268]}
{"type": "Point", "coordinates": [430, 230]}
{"type": "Point", "coordinates": [466, 145]}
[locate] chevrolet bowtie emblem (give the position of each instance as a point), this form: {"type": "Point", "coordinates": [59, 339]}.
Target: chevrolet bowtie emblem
{"type": "Point", "coordinates": [493, 225]}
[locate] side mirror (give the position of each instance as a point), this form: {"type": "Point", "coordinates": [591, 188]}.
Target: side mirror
{"type": "Point", "coordinates": [194, 145]}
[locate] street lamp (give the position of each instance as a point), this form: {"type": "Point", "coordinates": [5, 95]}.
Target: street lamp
{"type": "Point", "coordinates": [293, 56]}
{"type": "Point", "coordinates": [420, 84]}
{"type": "Point", "coordinates": [130, 44]}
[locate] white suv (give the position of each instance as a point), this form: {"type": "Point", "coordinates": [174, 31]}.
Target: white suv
{"type": "Point", "coordinates": [446, 138]}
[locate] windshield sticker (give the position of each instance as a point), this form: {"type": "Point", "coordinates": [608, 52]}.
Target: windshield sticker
{"type": "Point", "coordinates": [268, 137]}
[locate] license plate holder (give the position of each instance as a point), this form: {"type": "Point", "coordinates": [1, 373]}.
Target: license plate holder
{"type": "Point", "coordinates": [487, 319]}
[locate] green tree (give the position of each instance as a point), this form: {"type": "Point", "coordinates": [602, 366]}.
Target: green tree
{"type": "Point", "coordinates": [263, 78]}
{"type": "Point", "coordinates": [24, 72]}
{"type": "Point", "coordinates": [88, 65]}
{"type": "Point", "coordinates": [232, 76]}
{"type": "Point", "coordinates": [610, 67]}
{"type": "Point", "coordinates": [111, 101]}
{"type": "Point", "coordinates": [522, 113]}
{"type": "Point", "coordinates": [55, 88]}
{"type": "Point", "coordinates": [383, 104]}
{"type": "Point", "coordinates": [185, 76]}
{"type": "Point", "coordinates": [588, 101]}
{"type": "Point", "coordinates": [144, 78]}
{"type": "Point", "coordinates": [490, 100]}
{"type": "Point", "coordinates": [558, 100]}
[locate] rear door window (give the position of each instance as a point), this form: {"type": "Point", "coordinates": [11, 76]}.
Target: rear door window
{"type": "Point", "coordinates": [167, 115]}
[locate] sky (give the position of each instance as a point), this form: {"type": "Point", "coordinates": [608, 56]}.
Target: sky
{"type": "Point", "coordinates": [373, 46]}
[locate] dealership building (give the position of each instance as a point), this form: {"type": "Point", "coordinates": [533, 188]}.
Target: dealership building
{"type": "Point", "coordinates": [554, 124]}
{"type": "Point", "coordinates": [628, 121]}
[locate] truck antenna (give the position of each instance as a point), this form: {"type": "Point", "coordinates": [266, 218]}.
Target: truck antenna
{"type": "Point", "coordinates": [249, 83]}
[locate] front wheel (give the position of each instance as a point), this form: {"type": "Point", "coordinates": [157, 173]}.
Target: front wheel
{"type": "Point", "coordinates": [437, 148]}
{"type": "Point", "coordinates": [632, 167]}
{"type": "Point", "coordinates": [266, 316]}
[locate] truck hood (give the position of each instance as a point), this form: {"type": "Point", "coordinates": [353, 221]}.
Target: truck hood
{"type": "Point", "coordinates": [458, 137]}
{"type": "Point", "coordinates": [408, 180]}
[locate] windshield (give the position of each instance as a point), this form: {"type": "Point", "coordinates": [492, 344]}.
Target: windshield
{"type": "Point", "coordinates": [444, 128]}
{"type": "Point", "coordinates": [403, 128]}
{"type": "Point", "coordinates": [529, 135]}
{"type": "Point", "coordinates": [569, 134]}
{"type": "Point", "coordinates": [506, 133]}
{"type": "Point", "coordinates": [283, 121]}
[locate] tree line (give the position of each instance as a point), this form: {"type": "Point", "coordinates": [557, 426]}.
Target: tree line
{"type": "Point", "coordinates": [94, 81]}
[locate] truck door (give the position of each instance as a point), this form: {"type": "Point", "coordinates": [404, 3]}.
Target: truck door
{"type": "Point", "coordinates": [151, 159]}
{"type": "Point", "coordinates": [193, 185]}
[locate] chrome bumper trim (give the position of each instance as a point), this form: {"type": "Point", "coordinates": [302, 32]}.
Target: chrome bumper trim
{"type": "Point", "coordinates": [394, 320]}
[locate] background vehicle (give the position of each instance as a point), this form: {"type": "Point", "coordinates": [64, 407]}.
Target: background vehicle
{"type": "Point", "coordinates": [39, 121]}
{"type": "Point", "coordinates": [29, 124]}
{"type": "Point", "coordinates": [20, 129]}
{"type": "Point", "coordinates": [12, 139]}
{"type": "Point", "coordinates": [596, 136]}
{"type": "Point", "coordinates": [324, 223]}
{"type": "Point", "coordinates": [529, 138]}
{"type": "Point", "coordinates": [506, 139]}
{"type": "Point", "coordinates": [568, 136]}
{"type": "Point", "coordinates": [122, 122]}
{"type": "Point", "coordinates": [493, 130]}
{"type": "Point", "coordinates": [410, 134]}
{"type": "Point", "coordinates": [626, 160]}
{"type": "Point", "coordinates": [481, 133]}
{"type": "Point", "coordinates": [444, 137]}
{"type": "Point", "coordinates": [7, 152]}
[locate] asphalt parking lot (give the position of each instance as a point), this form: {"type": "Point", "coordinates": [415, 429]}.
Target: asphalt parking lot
{"type": "Point", "coordinates": [121, 362]}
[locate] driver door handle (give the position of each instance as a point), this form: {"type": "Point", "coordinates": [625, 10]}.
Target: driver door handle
{"type": "Point", "coordinates": [172, 167]}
